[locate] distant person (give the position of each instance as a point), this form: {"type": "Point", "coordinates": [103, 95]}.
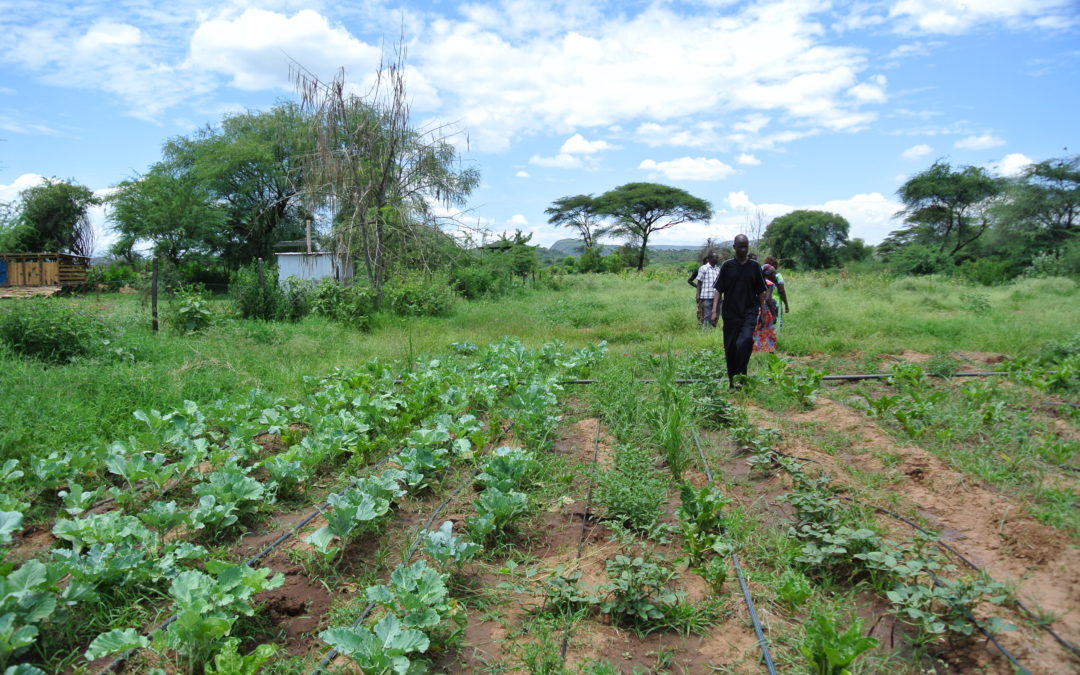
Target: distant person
{"type": "Point", "coordinates": [765, 331]}
{"type": "Point", "coordinates": [704, 279]}
{"type": "Point", "coordinates": [740, 295]}
{"type": "Point", "coordinates": [780, 290]}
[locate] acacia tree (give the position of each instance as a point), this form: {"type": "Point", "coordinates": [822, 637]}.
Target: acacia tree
{"type": "Point", "coordinates": [169, 209]}
{"type": "Point", "coordinates": [252, 165]}
{"type": "Point", "coordinates": [54, 216]}
{"type": "Point", "coordinates": [639, 209]}
{"type": "Point", "coordinates": [578, 212]}
{"type": "Point", "coordinates": [811, 239]}
{"type": "Point", "coordinates": [1046, 200]}
{"type": "Point", "coordinates": [383, 177]}
{"type": "Point", "coordinates": [947, 208]}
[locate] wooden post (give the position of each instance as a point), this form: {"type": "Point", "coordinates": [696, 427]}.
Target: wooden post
{"type": "Point", "coordinates": [262, 279]}
{"type": "Point", "coordinates": [309, 236]}
{"type": "Point", "coordinates": [153, 295]}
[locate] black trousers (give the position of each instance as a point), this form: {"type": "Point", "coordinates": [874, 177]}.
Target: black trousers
{"type": "Point", "coordinates": [739, 342]}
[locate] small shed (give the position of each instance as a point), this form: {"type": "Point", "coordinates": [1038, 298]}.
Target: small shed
{"type": "Point", "coordinates": [311, 265]}
{"type": "Point", "coordinates": [39, 270]}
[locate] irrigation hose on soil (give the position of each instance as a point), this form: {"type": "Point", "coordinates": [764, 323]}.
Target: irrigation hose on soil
{"type": "Point", "coordinates": [742, 582]}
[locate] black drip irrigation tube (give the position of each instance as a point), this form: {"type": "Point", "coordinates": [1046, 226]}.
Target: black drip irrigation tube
{"type": "Point", "coordinates": [827, 378]}
{"type": "Point", "coordinates": [581, 537]}
{"type": "Point", "coordinates": [742, 582]}
{"type": "Point", "coordinates": [115, 663]}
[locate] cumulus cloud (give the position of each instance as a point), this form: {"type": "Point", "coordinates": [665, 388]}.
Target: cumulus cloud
{"type": "Point", "coordinates": [517, 221]}
{"type": "Point", "coordinates": [254, 49]}
{"type": "Point", "coordinates": [1010, 165]}
{"type": "Point", "coordinates": [559, 161]}
{"type": "Point", "coordinates": [870, 214]}
{"type": "Point", "coordinates": [748, 159]}
{"type": "Point", "coordinates": [9, 193]}
{"type": "Point", "coordinates": [689, 168]}
{"type": "Point", "coordinates": [917, 151]}
{"type": "Point", "coordinates": [521, 174]}
{"type": "Point", "coordinates": [982, 142]}
{"type": "Point", "coordinates": [577, 145]}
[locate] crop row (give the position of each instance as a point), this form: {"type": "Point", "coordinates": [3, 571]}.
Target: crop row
{"type": "Point", "coordinates": [222, 479]}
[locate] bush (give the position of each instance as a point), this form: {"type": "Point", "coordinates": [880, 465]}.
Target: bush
{"type": "Point", "coordinates": [290, 301]}
{"type": "Point", "coordinates": [50, 330]}
{"type": "Point", "coordinates": [920, 259]}
{"type": "Point", "coordinates": [417, 295]}
{"type": "Point", "coordinates": [350, 305]}
{"type": "Point", "coordinates": [479, 281]}
{"type": "Point", "coordinates": [189, 311]}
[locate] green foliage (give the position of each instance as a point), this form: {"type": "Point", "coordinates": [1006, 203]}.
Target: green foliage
{"type": "Point", "coordinates": [977, 303]}
{"type": "Point", "coordinates": [496, 513]}
{"type": "Point", "coordinates": [229, 661]}
{"type": "Point", "coordinates": [508, 468]}
{"type": "Point", "coordinates": [190, 310]}
{"type": "Point", "coordinates": [793, 588]}
{"type": "Point", "coordinates": [52, 331]}
{"type": "Point", "coordinates": [350, 305]}
{"type": "Point", "coordinates": [830, 652]}
{"type": "Point", "coordinates": [382, 650]}
{"type": "Point", "coordinates": [633, 492]}
{"type": "Point", "coordinates": [701, 522]}
{"type": "Point", "coordinates": [670, 421]}
{"type": "Point", "coordinates": [810, 239]}
{"type": "Point", "coordinates": [445, 548]}
{"type": "Point", "coordinates": [638, 593]}
{"type": "Point", "coordinates": [253, 300]}
{"type": "Point", "coordinates": [53, 218]}
{"type": "Point", "coordinates": [420, 295]}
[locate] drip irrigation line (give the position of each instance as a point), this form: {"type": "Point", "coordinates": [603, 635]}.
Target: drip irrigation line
{"type": "Point", "coordinates": [828, 378]}
{"type": "Point", "coordinates": [762, 642]}
{"type": "Point", "coordinates": [581, 537]}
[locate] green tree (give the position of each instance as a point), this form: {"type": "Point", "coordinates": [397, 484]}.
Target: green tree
{"type": "Point", "coordinates": [639, 209]}
{"type": "Point", "coordinates": [578, 212]}
{"type": "Point", "coordinates": [383, 176]}
{"type": "Point", "coordinates": [948, 208]}
{"type": "Point", "coordinates": [810, 239]}
{"type": "Point", "coordinates": [1046, 202]}
{"type": "Point", "coordinates": [252, 164]}
{"type": "Point", "coordinates": [54, 216]}
{"type": "Point", "coordinates": [170, 210]}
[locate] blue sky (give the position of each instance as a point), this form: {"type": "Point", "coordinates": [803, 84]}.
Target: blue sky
{"type": "Point", "coordinates": [758, 107]}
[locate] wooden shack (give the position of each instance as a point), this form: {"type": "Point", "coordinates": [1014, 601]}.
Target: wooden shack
{"type": "Point", "coordinates": [36, 270]}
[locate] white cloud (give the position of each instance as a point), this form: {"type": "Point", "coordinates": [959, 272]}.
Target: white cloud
{"type": "Point", "coordinates": [869, 214]}
{"type": "Point", "coordinates": [959, 16]}
{"type": "Point", "coordinates": [983, 142]}
{"type": "Point", "coordinates": [690, 168]}
{"type": "Point", "coordinates": [106, 35]}
{"type": "Point", "coordinates": [748, 159]}
{"type": "Point", "coordinates": [521, 174]}
{"type": "Point", "coordinates": [28, 128]}
{"type": "Point", "coordinates": [1010, 165]}
{"type": "Point", "coordinates": [9, 193]}
{"type": "Point", "coordinates": [517, 221]}
{"type": "Point", "coordinates": [560, 161]}
{"type": "Point", "coordinates": [577, 145]}
{"type": "Point", "coordinates": [865, 92]}
{"type": "Point", "coordinates": [255, 48]}
{"type": "Point", "coordinates": [917, 151]}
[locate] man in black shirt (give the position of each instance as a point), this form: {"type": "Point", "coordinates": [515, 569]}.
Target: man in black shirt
{"type": "Point", "coordinates": [740, 294]}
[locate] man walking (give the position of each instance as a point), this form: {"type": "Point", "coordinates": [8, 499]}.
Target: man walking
{"type": "Point", "coordinates": [740, 294]}
{"type": "Point", "coordinates": [706, 281]}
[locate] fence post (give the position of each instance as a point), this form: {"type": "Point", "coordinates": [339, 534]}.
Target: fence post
{"type": "Point", "coordinates": [153, 295]}
{"type": "Point", "coordinates": [262, 279]}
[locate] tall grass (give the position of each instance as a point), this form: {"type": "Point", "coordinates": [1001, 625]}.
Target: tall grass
{"type": "Point", "coordinates": [44, 407]}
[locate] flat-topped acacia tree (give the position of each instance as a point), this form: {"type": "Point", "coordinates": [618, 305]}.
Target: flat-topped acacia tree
{"type": "Point", "coordinates": [639, 209]}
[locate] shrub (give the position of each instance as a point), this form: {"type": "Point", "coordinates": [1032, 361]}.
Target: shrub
{"type": "Point", "coordinates": [50, 330]}
{"type": "Point", "coordinates": [418, 295]}
{"type": "Point", "coordinates": [189, 311]}
{"type": "Point", "coordinates": [351, 305]}
{"type": "Point", "coordinates": [266, 302]}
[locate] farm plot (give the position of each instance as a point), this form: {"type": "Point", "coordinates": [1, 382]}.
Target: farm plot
{"type": "Point", "coordinates": [119, 560]}
{"type": "Point", "coordinates": [455, 515]}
